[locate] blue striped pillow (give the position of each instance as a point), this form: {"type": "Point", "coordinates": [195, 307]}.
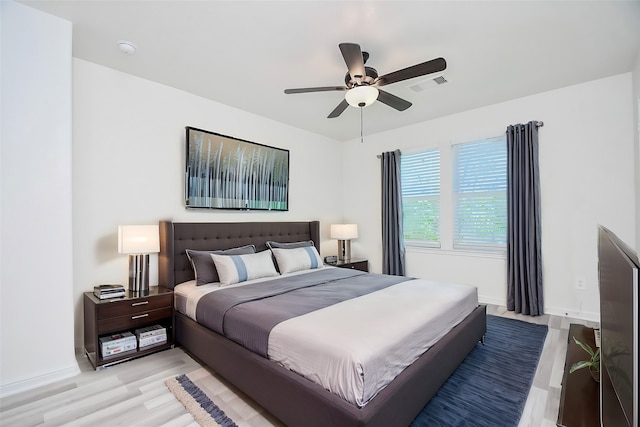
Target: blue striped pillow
{"type": "Point", "coordinates": [290, 260]}
{"type": "Point", "coordinates": [240, 268]}
{"type": "Point", "coordinates": [203, 267]}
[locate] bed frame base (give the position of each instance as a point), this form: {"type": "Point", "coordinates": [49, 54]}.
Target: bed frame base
{"type": "Point", "coordinates": [297, 401]}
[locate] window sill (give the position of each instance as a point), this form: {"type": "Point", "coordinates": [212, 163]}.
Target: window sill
{"type": "Point", "coordinates": [457, 252]}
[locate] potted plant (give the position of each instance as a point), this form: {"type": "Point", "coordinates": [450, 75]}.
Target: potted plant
{"type": "Point", "coordinates": [593, 363]}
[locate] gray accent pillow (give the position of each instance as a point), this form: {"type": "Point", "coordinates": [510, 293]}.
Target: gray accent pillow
{"type": "Point", "coordinates": [203, 266]}
{"type": "Point", "coordinates": [271, 244]}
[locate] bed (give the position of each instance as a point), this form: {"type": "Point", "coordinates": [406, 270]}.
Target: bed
{"type": "Point", "coordinates": [287, 395]}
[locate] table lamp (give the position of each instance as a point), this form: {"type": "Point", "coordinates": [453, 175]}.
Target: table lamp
{"type": "Point", "coordinates": [344, 233]}
{"type": "Point", "coordinates": [138, 241]}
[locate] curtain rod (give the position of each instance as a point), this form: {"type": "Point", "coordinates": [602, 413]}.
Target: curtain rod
{"type": "Point", "coordinates": [539, 123]}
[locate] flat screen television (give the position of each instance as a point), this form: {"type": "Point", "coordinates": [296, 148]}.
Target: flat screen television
{"type": "Point", "coordinates": [618, 268]}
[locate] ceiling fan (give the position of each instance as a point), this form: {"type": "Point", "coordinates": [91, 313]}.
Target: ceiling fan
{"type": "Point", "coordinates": [362, 83]}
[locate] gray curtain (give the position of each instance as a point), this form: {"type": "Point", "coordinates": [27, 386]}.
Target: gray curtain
{"type": "Point", "coordinates": [392, 236]}
{"type": "Point", "coordinates": [524, 260]}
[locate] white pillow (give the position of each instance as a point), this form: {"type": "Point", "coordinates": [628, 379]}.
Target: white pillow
{"type": "Point", "coordinates": [240, 268]}
{"type": "Point", "coordinates": [290, 260]}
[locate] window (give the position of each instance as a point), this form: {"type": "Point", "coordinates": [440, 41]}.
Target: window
{"type": "Point", "coordinates": [420, 178]}
{"type": "Point", "coordinates": [480, 194]}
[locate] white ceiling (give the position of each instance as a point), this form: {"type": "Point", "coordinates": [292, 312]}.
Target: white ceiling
{"type": "Point", "coordinates": [245, 53]}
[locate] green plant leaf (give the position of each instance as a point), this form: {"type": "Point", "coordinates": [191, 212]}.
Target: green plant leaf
{"type": "Point", "coordinates": [584, 347]}
{"type": "Point", "coordinates": [580, 365]}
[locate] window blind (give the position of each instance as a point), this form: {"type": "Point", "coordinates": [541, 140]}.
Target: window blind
{"type": "Point", "coordinates": [480, 194]}
{"type": "Point", "coordinates": [420, 180]}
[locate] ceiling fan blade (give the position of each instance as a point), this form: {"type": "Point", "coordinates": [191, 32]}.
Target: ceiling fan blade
{"type": "Point", "coordinates": [433, 66]}
{"type": "Point", "coordinates": [353, 58]}
{"type": "Point", "coordinates": [338, 110]}
{"type": "Point", "coordinates": [393, 101]}
{"type": "Point", "coordinates": [315, 89]}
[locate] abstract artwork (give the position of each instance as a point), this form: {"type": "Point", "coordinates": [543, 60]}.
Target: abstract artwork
{"type": "Point", "coordinates": [228, 173]}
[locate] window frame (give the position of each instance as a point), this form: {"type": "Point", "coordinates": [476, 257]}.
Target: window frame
{"type": "Point", "coordinates": [481, 246]}
{"type": "Point", "coordinates": [435, 197]}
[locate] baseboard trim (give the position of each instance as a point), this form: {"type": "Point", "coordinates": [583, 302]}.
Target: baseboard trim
{"type": "Point", "coordinates": [38, 380]}
{"type": "Point", "coordinates": [562, 312]}
{"type": "Point", "coordinates": [589, 316]}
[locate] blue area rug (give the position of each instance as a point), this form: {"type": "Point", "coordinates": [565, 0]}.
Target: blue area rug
{"type": "Point", "coordinates": [491, 386]}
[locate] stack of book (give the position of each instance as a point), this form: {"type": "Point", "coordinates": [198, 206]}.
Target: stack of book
{"type": "Point", "coordinates": [108, 291]}
{"type": "Point", "coordinates": [150, 336]}
{"type": "Point", "coordinates": [117, 344]}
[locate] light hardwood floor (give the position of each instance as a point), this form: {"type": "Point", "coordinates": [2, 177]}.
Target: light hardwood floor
{"type": "Point", "coordinates": [134, 394]}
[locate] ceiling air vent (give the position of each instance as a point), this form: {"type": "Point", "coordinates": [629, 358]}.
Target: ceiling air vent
{"type": "Point", "coordinates": [425, 84]}
{"type": "Point", "coordinates": [440, 80]}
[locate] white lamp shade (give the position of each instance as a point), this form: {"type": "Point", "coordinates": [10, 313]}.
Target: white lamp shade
{"type": "Point", "coordinates": [361, 96]}
{"type": "Point", "coordinates": [138, 239]}
{"type": "Point", "coordinates": [344, 231]}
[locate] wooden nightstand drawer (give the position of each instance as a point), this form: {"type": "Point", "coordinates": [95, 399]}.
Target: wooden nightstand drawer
{"type": "Point", "coordinates": [353, 263]}
{"type": "Point", "coordinates": [126, 314]}
{"type": "Point", "coordinates": [362, 266]}
{"type": "Point", "coordinates": [132, 306]}
{"type": "Point", "coordinates": [132, 320]}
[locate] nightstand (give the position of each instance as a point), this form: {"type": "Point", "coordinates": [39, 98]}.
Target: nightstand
{"type": "Point", "coordinates": [125, 314]}
{"type": "Point", "coordinates": [579, 397]}
{"type": "Point", "coordinates": [353, 263]}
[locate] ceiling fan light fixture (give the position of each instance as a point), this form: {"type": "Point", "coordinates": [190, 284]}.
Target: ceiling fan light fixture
{"type": "Point", "coordinates": [361, 96]}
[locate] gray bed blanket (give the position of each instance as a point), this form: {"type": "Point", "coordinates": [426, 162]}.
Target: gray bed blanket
{"type": "Point", "coordinates": [246, 314]}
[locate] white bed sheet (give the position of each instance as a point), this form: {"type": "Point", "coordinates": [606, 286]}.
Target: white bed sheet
{"type": "Point", "coordinates": [357, 347]}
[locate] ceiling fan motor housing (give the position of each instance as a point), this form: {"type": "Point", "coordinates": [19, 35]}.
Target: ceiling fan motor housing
{"type": "Point", "coordinates": [372, 75]}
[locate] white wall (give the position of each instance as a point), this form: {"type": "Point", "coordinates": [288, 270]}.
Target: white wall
{"type": "Point", "coordinates": [128, 166]}
{"type": "Point", "coordinates": [36, 307]}
{"type": "Point", "coordinates": [587, 178]}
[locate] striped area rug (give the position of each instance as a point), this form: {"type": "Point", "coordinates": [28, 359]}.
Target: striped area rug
{"type": "Point", "coordinates": [489, 388]}
{"type": "Point", "coordinates": [200, 406]}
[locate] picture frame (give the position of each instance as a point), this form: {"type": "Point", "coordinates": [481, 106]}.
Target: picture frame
{"type": "Point", "coordinates": [223, 172]}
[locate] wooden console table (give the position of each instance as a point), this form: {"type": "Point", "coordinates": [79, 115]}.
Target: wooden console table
{"type": "Point", "coordinates": [579, 399]}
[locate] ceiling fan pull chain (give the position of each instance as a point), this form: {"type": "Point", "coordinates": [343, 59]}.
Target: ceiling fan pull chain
{"type": "Point", "coordinates": [361, 138]}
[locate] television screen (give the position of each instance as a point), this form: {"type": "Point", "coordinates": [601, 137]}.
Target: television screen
{"type": "Point", "coordinates": [618, 281]}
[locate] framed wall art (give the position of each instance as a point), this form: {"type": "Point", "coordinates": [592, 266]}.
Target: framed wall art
{"type": "Point", "coordinates": [223, 172]}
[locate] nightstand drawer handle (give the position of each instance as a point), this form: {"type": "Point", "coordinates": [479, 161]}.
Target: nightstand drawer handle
{"type": "Point", "coordinates": [140, 316]}
{"type": "Point", "coordinates": [139, 303]}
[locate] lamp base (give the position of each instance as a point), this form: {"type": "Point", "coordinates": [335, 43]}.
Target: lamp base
{"type": "Point", "coordinates": [344, 250]}
{"type": "Point", "coordinates": [139, 273]}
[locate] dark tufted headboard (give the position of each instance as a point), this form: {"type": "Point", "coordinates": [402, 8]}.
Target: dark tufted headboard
{"type": "Point", "coordinates": [174, 266]}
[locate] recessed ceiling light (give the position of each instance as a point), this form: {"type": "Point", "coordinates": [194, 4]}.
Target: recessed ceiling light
{"type": "Point", "coordinates": [126, 47]}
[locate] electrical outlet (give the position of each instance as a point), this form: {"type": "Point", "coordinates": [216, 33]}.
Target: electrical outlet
{"type": "Point", "coordinates": [581, 284]}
